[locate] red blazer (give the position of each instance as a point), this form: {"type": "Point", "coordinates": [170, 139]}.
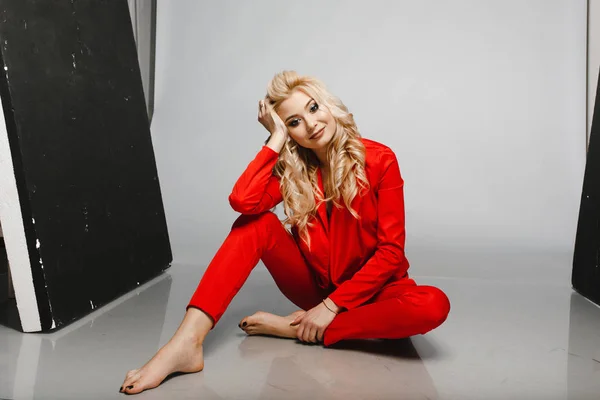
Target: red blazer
{"type": "Point", "coordinates": [352, 259]}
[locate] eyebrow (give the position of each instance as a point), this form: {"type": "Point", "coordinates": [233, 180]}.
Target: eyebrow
{"type": "Point", "coordinates": [295, 115]}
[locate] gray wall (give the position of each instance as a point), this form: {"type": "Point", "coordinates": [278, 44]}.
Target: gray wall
{"type": "Point", "coordinates": [484, 102]}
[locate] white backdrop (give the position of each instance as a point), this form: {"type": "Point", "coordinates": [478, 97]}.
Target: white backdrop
{"type": "Point", "coordinates": [482, 101]}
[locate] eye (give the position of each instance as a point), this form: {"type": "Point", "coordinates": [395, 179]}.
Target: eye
{"type": "Point", "coordinates": [294, 122]}
{"type": "Point", "coordinates": [314, 107]}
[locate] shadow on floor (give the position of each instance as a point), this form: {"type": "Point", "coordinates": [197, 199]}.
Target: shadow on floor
{"type": "Point", "coordinates": [349, 369]}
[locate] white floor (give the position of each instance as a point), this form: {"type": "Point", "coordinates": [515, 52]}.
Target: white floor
{"type": "Point", "coordinates": [516, 331]}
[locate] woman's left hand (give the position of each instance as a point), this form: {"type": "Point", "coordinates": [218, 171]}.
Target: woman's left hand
{"type": "Point", "coordinates": [312, 324]}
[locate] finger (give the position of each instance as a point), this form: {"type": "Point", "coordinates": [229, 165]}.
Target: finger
{"type": "Point", "coordinates": [313, 335]}
{"type": "Point", "coordinates": [307, 335]}
{"type": "Point", "coordinates": [300, 333]}
{"type": "Point", "coordinates": [320, 334]}
{"type": "Point", "coordinates": [267, 103]}
{"type": "Point", "coordinates": [297, 320]}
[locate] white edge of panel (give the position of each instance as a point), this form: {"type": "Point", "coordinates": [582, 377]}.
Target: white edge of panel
{"type": "Point", "coordinates": [13, 229]}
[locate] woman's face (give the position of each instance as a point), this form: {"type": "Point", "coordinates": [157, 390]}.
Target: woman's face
{"type": "Point", "coordinates": [311, 125]}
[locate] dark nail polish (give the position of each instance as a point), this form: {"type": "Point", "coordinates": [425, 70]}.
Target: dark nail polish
{"type": "Point", "coordinates": [130, 387]}
{"type": "Point", "coordinates": [245, 323]}
{"type": "Point", "coordinates": [120, 389]}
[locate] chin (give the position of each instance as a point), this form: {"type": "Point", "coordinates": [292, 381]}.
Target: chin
{"type": "Point", "coordinates": [326, 139]}
{"type": "Point", "coordinates": [319, 144]}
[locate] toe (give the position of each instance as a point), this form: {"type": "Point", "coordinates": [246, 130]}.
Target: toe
{"type": "Point", "coordinates": [143, 383]}
{"type": "Point", "coordinates": [128, 377]}
{"type": "Point", "coordinates": [254, 319]}
{"type": "Point", "coordinates": [130, 382]}
{"type": "Point", "coordinates": [137, 387]}
{"type": "Point", "coordinates": [132, 372]}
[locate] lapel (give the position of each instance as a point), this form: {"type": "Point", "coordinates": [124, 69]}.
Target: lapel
{"type": "Point", "coordinates": [322, 210]}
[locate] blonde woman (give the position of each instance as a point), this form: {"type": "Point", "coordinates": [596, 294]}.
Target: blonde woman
{"type": "Point", "coordinates": [342, 262]}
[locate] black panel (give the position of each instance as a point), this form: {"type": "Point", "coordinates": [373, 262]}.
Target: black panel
{"type": "Point", "coordinates": [586, 260]}
{"type": "Point", "coordinates": [84, 163]}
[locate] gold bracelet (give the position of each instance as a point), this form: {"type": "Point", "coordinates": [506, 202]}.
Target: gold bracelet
{"type": "Point", "coordinates": [329, 308]}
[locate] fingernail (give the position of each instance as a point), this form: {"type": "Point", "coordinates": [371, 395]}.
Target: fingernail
{"type": "Point", "coordinates": [244, 323]}
{"type": "Point", "coordinates": [130, 387]}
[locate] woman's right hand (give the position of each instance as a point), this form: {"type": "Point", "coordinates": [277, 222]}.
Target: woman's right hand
{"type": "Point", "coordinates": [270, 120]}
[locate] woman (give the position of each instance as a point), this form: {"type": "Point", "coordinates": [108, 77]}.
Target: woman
{"type": "Point", "coordinates": [343, 263]}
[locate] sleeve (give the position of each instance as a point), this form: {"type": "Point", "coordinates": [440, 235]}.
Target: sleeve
{"type": "Point", "coordinates": [389, 257]}
{"type": "Point", "coordinates": [257, 189]}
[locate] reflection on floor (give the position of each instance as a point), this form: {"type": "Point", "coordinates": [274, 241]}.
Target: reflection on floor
{"type": "Point", "coordinates": [516, 330]}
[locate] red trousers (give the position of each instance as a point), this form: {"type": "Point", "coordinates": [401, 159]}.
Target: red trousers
{"type": "Point", "coordinates": [400, 309]}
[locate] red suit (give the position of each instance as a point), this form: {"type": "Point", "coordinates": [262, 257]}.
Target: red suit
{"type": "Point", "coordinates": [358, 263]}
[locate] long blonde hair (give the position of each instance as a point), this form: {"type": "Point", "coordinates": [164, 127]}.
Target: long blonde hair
{"type": "Point", "coordinates": [297, 167]}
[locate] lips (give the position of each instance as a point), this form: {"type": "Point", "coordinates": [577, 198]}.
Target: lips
{"type": "Point", "coordinates": [317, 133]}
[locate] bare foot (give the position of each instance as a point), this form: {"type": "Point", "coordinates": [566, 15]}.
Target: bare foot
{"type": "Point", "coordinates": [263, 323]}
{"type": "Point", "coordinates": [183, 353]}
{"type": "Point", "coordinates": [179, 355]}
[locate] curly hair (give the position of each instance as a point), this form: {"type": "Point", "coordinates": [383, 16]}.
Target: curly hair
{"type": "Point", "coordinates": [297, 167]}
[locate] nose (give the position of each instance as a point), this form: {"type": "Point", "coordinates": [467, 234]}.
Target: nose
{"type": "Point", "coordinates": [312, 124]}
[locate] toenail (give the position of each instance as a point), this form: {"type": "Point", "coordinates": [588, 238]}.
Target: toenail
{"type": "Point", "coordinates": [120, 389]}
{"type": "Point", "coordinates": [244, 323]}
{"type": "Point", "coordinates": [130, 387]}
